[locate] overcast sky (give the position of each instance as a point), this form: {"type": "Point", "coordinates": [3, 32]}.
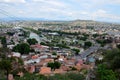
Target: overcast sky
{"type": "Point", "coordinates": [101, 10]}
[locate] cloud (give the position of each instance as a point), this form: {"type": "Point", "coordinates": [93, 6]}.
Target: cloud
{"type": "Point", "coordinates": [105, 15]}
{"type": "Point", "coordinates": [13, 1]}
{"type": "Point", "coordinates": [21, 12]}
{"type": "Point", "coordinates": [57, 3]}
{"type": "Point", "coordinates": [114, 1]}
{"type": "Point", "coordinates": [63, 9]}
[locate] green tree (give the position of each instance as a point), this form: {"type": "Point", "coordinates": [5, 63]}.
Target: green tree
{"type": "Point", "coordinates": [26, 33]}
{"type": "Point", "coordinates": [84, 38]}
{"type": "Point", "coordinates": [73, 68]}
{"type": "Point", "coordinates": [54, 53]}
{"type": "Point", "coordinates": [62, 46]}
{"type": "Point", "coordinates": [57, 65]}
{"type": "Point", "coordinates": [67, 76]}
{"type": "Point", "coordinates": [101, 42]}
{"type": "Point", "coordinates": [4, 52]}
{"type": "Point", "coordinates": [6, 66]}
{"type": "Point", "coordinates": [88, 44]}
{"type": "Point", "coordinates": [54, 65]}
{"type": "Point", "coordinates": [29, 76]}
{"type": "Point", "coordinates": [43, 43]}
{"type": "Point", "coordinates": [75, 76]}
{"type": "Point", "coordinates": [22, 48]}
{"type": "Point", "coordinates": [32, 41]}
{"type": "Point", "coordinates": [51, 65]}
{"type": "Point", "coordinates": [4, 42]}
{"type": "Point", "coordinates": [105, 74]}
{"type": "Point", "coordinates": [95, 35]}
{"type": "Point", "coordinates": [76, 51]}
{"type": "Point", "coordinates": [59, 77]}
{"type": "Point", "coordinates": [118, 46]}
{"type": "Point", "coordinates": [115, 64]}
{"type": "Point", "coordinates": [112, 57]}
{"type": "Point", "coordinates": [10, 33]}
{"type": "Point", "coordinates": [17, 65]}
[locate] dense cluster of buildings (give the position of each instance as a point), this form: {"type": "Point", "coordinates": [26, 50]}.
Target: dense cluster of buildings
{"type": "Point", "coordinates": [37, 61]}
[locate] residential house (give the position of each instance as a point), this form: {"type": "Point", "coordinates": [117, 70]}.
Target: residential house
{"type": "Point", "coordinates": [20, 74]}
{"type": "Point", "coordinates": [78, 66]}
{"type": "Point", "coordinates": [10, 77]}
{"type": "Point", "coordinates": [45, 70]}
{"type": "Point", "coordinates": [16, 54]}
{"type": "Point", "coordinates": [70, 62]}
{"type": "Point", "coordinates": [31, 69]}
{"type": "Point", "coordinates": [39, 48]}
{"type": "Point", "coordinates": [0, 44]}
{"type": "Point", "coordinates": [59, 71]}
{"type": "Point", "coordinates": [44, 62]}
{"type": "Point", "coordinates": [10, 46]}
{"type": "Point", "coordinates": [65, 68]}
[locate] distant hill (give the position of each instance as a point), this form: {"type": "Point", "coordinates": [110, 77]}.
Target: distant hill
{"type": "Point", "coordinates": [33, 22]}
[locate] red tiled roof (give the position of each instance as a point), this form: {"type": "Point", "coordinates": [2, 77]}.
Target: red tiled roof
{"type": "Point", "coordinates": [70, 62]}
{"type": "Point", "coordinates": [36, 46]}
{"type": "Point", "coordinates": [78, 66]}
{"type": "Point", "coordinates": [86, 66]}
{"type": "Point", "coordinates": [59, 71]}
{"type": "Point", "coordinates": [45, 70]}
{"type": "Point", "coordinates": [80, 62]}
{"type": "Point", "coordinates": [31, 69]}
{"type": "Point", "coordinates": [35, 57]}
{"type": "Point", "coordinates": [49, 60]}
{"type": "Point", "coordinates": [65, 68]}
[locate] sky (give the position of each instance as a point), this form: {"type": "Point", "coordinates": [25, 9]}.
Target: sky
{"type": "Point", "coordinates": [100, 10]}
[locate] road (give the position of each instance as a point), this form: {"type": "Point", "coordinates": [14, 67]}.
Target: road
{"type": "Point", "coordinates": [88, 51]}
